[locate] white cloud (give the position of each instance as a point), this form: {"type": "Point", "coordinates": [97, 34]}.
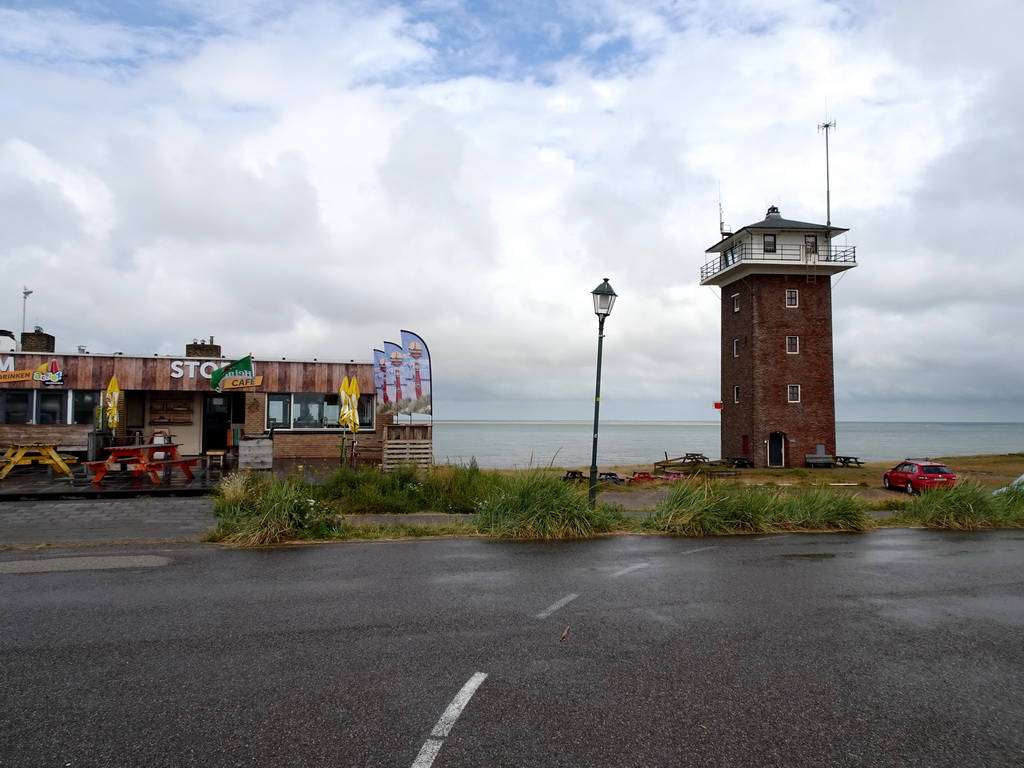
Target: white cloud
{"type": "Point", "coordinates": [303, 180]}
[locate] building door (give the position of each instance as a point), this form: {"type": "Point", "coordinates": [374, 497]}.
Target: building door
{"type": "Point", "coordinates": [777, 449]}
{"type": "Point", "coordinates": [216, 421]}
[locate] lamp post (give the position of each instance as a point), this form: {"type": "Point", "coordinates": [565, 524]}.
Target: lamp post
{"type": "Point", "coordinates": [604, 299]}
{"type": "Point", "coordinates": [25, 293]}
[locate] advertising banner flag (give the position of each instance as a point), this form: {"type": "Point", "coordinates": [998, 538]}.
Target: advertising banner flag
{"type": "Point", "coordinates": [235, 375]}
{"type": "Point", "coordinates": [393, 381]}
{"type": "Point", "coordinates": [380, 367]}
{"type": "Point", "coordinates": [416, 361]}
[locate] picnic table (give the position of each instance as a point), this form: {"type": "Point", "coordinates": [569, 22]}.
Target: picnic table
{"type": "Point", "coordinates": [849, 461]}
{"type": "Point", "coordinates": [739, 461]}
{"type": "Point", "coordinates": [609, 477]}
{"type": "Point", "coordinates": [142, 460]}
{"type": "Point", "coordinates": [573, 474]}
{"type": "Point", "coordinates": [25, 454]}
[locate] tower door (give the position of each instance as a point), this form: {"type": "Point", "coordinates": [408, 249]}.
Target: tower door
{"type": "Point", "coordinates": [777, 449]}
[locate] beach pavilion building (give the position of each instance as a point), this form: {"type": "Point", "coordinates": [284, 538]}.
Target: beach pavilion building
{"type": "Point", "coordinates": [286, 420]}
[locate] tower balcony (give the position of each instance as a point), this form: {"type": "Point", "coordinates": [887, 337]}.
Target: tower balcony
{"type": "Point", "coordinates": [750, 257]}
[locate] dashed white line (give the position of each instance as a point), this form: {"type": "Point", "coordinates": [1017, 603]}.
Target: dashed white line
{"type": "Point", "coordinates": [426, 756]}
{"type": "Point", "coordinates": [560, 604]}
{"type": "Point", "coordinates": [630, 569]}
{"type": "Point", "coordinates": [444, 726]}
{"type": "Point", "coordinates": [695, 551]}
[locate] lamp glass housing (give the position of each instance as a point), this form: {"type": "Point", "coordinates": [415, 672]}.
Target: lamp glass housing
{"type": "Point", "coordinates": [604, 299]}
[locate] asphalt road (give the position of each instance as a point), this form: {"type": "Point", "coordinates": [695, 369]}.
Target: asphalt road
{"type": "Point", "coordinates": [896, 648]}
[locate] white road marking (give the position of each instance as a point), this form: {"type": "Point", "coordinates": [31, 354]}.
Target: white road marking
{"type": "Point", "coordinates": [694, 551]}
{"type": "Point", "coordinates": [631, 568]}
{"type": "Point", "coordinates": [560, 604]}
{"type": "Point", "coordinates": [444, 726]}
{"type": "Point", "coordinates": [426, 756]}
{"type": "Point", "coordinates": [773, 536]}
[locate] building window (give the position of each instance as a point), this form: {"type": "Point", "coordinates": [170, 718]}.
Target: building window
{"type": "Point", "coordinates": [811, 244]}
{"type": "Point", "coordinates": [769, 243]}
{"type": "Point", "coordinates": [15, 407]}
{"type": "Point", "coordinates": [735, 302]}
{"type": "Point", "coordinates": [794, 393]}
{"type": "Point", "coordinates": [735, 394]}
{"type": "Point", "coordinates": [792, 297]}
{"type": "Point", "coordinates": [735, 347]}
{"type": "Point", "coordinates": [792, 345]}
{"type": "Point", "coordinates": [314, 411]}
{"type": "Point", "coordinates": [83, 406]}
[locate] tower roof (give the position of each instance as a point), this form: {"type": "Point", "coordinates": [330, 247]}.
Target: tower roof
{"type": "Point", "coordinates": [773, 222]}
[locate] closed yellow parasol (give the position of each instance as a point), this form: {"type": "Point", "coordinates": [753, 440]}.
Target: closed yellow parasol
{"type": "Point", "coordinates": [111, 399]}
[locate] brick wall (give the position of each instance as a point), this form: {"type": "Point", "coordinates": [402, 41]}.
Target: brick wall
{"type": "Point", "coordinates": [764, 369]}
{"type": "Point", "coordinates": [38, 342]}
{"type": "Point", "coordinates": [203, 350]}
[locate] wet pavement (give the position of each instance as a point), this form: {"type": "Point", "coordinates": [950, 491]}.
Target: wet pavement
{"type": "Point", "coordinates": [105, 521]}
{"type": "Point", "coordinates": [895, 648]}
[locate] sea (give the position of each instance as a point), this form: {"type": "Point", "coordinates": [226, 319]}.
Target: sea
{"type": "Point", "coordinates": [523, 444]}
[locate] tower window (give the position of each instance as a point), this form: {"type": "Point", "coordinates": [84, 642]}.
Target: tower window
{"type": "Point", "coordinates": [792, 345]}
{"type": "Point", "coordinates": [792, 297]}
{"type": "Point", "coordinates": [735, 394]}
{"type": "Point", "coordinates": [735, 302]}
{"type": "Point", "coordinates": [769, 243]}
{"type": "Point", "coordinates": [735, 347]}
{"type": "Point", "coordinates": [811, 243]}
{"type": "Point", "coordinates": [794, 393]}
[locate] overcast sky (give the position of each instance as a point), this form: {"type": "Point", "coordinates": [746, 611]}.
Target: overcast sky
{"type": "Point", "coordinates": [305, 179]}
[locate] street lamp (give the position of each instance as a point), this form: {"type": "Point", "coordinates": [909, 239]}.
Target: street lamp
{"type": "Point", "coordinates": [604, 299]}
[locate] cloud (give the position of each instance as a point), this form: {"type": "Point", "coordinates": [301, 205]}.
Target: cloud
{"type": "Point", "coordinates": [304, 179]}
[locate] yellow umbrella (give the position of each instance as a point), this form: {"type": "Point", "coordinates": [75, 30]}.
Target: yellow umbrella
{"type": "Point", "coordinates": [353, 413]}
{"type": "Point", "coordinates": [111, 398]}
{"type": "Point", "coordinates": [348, 414]}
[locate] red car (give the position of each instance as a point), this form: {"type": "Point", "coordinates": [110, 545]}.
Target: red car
{"type": "Point", "coordinates": [915, 475]}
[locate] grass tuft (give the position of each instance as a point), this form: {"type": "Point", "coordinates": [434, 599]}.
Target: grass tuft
{"type": "Point", "coordinates": [534, 504]}
{"type": "Point", "coordinates": [966, 506]}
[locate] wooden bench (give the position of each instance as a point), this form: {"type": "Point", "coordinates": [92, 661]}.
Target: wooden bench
{"type": "Point", "coordinates": [66, 437]}
{"type": "Point", "coordinates": [819, 460]}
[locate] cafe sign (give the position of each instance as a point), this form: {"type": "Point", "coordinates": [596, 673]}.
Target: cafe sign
{"type": "Point", "coordinates": [236, 375]}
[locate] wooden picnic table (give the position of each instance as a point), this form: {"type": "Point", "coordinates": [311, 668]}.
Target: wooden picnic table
{"type": "Point", "coordinates": [25, 454]}
{"type": "Point", "coordinates": [141, 460]}
{"type": "Point", "coordinates": [739, 461]}
{"type": "Point", "coordinates": [849, 461]}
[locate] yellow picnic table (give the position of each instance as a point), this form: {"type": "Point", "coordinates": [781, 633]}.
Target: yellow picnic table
{"type": "Point", "coordinates": [25, 454]}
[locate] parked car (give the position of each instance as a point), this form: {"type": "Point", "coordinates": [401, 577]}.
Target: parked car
{"type": "Point", "coordinates": [914, 475]}
{"type": "Point", "coordinates": [1017, 486]}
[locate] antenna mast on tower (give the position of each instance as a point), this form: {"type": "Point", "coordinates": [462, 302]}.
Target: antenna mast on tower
{"type": "Point", "coordinates": [826, 127]}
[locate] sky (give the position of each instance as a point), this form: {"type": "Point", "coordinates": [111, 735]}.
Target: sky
{"type": "Point", "coordinates": [306, 179]}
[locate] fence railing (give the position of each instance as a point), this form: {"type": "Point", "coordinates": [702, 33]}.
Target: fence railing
{"type": "Point", "coordinates": [790, 254]}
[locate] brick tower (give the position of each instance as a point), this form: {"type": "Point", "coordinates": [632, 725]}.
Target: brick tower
{"type": "Point", "coordinates": [778, 398]}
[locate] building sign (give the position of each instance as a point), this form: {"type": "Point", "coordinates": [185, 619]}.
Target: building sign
{"type": "Point", "coordinates": [49, 374]}
{"type": "Point", "coordinates": [235, 375]}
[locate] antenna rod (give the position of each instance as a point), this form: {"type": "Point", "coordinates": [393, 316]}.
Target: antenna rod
{"type": "Point", "coordinates": [826, 127]}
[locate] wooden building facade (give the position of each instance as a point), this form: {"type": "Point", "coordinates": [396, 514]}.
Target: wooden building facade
{"type": "Point", "coordinates": [295, 405]}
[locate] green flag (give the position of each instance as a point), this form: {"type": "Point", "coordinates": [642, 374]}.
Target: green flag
{"type": "Point", "coordinates": [240, 369]}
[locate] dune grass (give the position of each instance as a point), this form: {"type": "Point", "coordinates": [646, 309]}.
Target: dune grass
{"type": "Point", "coordinates": [534, 504]}
{"type": "Point", "coordinates": [254, 509]}
{"type": "Point", "coordinates": [965, 507]}
{"type": "Point", "coordinates": [701, 508]}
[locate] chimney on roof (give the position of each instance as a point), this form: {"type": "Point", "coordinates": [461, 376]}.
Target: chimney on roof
{"type": "Point", "coordinates": [38, 341]}
{"type": "Point", "coordinates": [773, 212]}
{"type": "Point", "coordinates": [202, 349]}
